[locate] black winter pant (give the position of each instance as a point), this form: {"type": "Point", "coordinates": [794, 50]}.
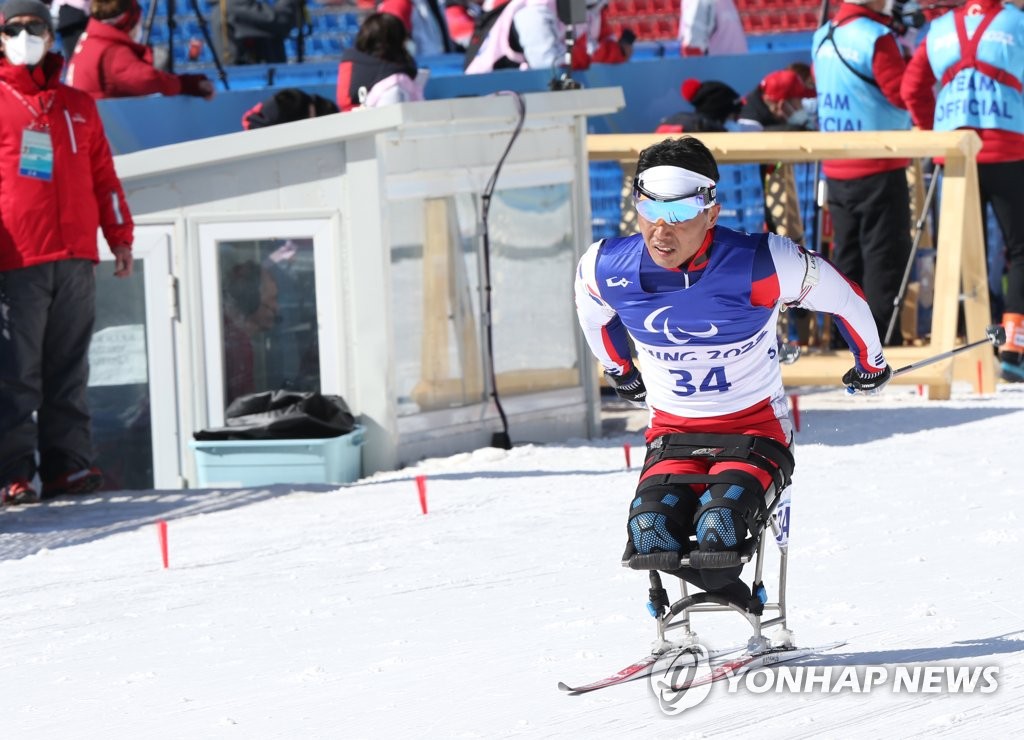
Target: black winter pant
{"type": "Point", "coordinates": [871, 242]}
{"type": "Point", "coordinates": [1002, 185]}
{"type": "Point", "coordinates": [46, 321]}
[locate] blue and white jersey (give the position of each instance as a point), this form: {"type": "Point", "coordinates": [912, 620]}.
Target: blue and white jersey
{"type": "Point", "coordinates": [709, 348]}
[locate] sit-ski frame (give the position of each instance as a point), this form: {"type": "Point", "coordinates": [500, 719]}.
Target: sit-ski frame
{"type": "Point", "coordinates": [665, 613]}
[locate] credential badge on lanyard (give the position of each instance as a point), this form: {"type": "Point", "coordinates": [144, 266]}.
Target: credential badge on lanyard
{"type": "Point", "coordinates": [36, 160]}
{"type": "Point", "coordinates": [36, 155]}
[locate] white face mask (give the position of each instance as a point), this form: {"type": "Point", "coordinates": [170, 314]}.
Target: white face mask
{"type": "Point", "coordinates": [798, 117]}
{"type": "Point", "coordinates": [24, 49]}
{"type": "Point", "coordinates": [887, 10]}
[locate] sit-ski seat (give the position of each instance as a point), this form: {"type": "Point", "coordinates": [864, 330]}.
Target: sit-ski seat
{"type": "Point", "coordinates": [764, 453]}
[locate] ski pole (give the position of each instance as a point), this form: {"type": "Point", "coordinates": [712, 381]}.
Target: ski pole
{"type": "Point", "coordinates": [915, 245]}
{"type": "Point", "coordinates": [994, 334]}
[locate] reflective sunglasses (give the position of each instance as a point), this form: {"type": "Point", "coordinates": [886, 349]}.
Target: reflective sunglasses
{"type": "Point", "coordinates": [654, 208]}
{"type": "Point", "coordinates": [34, 28]}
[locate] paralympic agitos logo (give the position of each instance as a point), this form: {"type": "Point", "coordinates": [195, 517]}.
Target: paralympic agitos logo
{"type": "Point", "coordinates": [673, 334]}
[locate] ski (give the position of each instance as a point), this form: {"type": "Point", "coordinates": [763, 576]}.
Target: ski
{"type": "Point", "coordinates": [640, 669]}
{"type": "Point", "coordinates": [753, 661]}
{"type": "Point", "coordinates": [719, 671]}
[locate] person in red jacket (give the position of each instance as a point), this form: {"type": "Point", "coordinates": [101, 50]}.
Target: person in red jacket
{"type": "Point", "coordinates": [57, 188]}
{"type": "Point", "coordinates": [981, 83]}
{"type": "Point", "coordinates": [107, 63]}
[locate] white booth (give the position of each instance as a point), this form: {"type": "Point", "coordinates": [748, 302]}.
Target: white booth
{"type": "Point", "coordinates": [345, 254]}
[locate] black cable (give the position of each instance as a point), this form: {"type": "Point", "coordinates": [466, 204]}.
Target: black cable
{"type": "Point", "coordinates": [499, 439]}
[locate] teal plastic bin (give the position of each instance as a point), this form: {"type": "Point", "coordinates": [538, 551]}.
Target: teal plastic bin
{"type": "Point", "coordinates": [263, 462]}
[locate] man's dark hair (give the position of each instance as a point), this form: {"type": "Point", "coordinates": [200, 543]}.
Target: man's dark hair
{"type": "Point", "coordinates": [686, 152]}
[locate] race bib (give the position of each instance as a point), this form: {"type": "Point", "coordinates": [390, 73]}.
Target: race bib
{"type": "Point", "coordinates": [782, 518]}
{"type": "Point", "coordinates": [36, 155]}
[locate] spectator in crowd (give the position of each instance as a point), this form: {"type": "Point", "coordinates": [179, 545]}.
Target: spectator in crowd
{"type": "Point", "coordinates": [249, 311]}
{"type": "Point", "coordinates": [378, 69]}
{"type": "Point", "coordinates": [710, 27]}
{"type": "Point", "coordinates": [976, 53]}
{"type": "Point", "coordinates": [716, 106]}
{"type": "Point", "coordinates": [527, 34]}
{"type": "Point", "coordinates": [109, 64]}
{"type": "Point", "coordinates": [254, 31]}
{"type": "Point", "coordinates": [285, 106]}
{"type": "Point", "coordinates": [858, 69]}
{"type": "Point", "coordinates": [461, 17]}
{"type": "Point", "coordinates": [58, 187]}
{"type": "Point", "coordinates": [426, 23]}
{"type": "Point", "coordinates": [781, 102]}
{"type": "Point", "coordinates": [71, 17]}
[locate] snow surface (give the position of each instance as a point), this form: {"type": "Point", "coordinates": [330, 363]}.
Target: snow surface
{"type": "Point", "coordinates": [347, 613]}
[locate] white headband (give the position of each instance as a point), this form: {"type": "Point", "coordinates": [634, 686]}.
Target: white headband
{"type": "Point", "coordinates": [669, 182]}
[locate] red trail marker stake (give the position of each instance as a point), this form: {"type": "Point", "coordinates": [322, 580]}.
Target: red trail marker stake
{"type": "Point", "coordinates": [795, 402]}
{"type": "Point", "coordinates": [161, 530]}
{"type": "Point", "coordinates": [421, 485]}
{"type": "Point", "coordinates": [625, 450]}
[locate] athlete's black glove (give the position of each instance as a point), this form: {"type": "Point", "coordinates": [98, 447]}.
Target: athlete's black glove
{"type": "Point", "coordinates": [629, 387]}
{"type": "Point", "coordinates": [867, 383]}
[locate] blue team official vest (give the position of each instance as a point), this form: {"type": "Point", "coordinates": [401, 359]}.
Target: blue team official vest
{"type": "Point", "coordinates": [982, 92]}
{"type": "Point", "coordinates": [849, 99]}
{"type": "Point", "coordinates": [714, 311]}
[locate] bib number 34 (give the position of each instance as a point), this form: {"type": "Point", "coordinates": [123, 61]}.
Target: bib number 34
{"type": "Point", "coordinates": [714, 380]}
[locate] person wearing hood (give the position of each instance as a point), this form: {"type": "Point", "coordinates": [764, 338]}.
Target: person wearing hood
{"type": "Point", "coordinates": [858, 69]}
{"type": "Point", "coordinates": [108, 63]}
{"type": "Point", "coordinates": [716, 107]}
{"type": "Point", "coordinates": [58, 187]}
{"type": "Point", "coordinates": [378, 69]}
{"type": "Point", "coordinates": [777, 103]}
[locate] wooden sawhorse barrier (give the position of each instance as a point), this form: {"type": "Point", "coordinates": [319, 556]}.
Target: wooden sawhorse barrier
{"type": "Point", "coordinates": [960, 266]}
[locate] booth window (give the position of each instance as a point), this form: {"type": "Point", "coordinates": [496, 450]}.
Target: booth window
{"type": "Point", "coordinates": [268, 315]}
{"type": "Point", "coordinates": [436, 273]}
{"type": "Point", "coordinates": [119, 381]}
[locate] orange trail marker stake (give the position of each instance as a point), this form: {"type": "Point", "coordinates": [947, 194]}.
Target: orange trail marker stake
{"type": "Point", "coordinates": [161, 530]}
{"type": "Point", "coordinates": [421, 485]}
{"type": "Point", "coordinates": [980, 376]}
{"type": "Point", "coordinates": [625, 450]}
{"type": "Point", "coordinates": [795, 400]}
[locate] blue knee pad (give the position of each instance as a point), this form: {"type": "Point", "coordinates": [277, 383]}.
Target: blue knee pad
{"type": "Point", "coordinates": [659, 522]}
{"type": "Point", "coordinates": [720, 528]}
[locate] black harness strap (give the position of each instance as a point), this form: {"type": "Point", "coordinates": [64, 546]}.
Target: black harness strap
{"type": "Point", "coordinates": [765, 453]}
{"type": "Point", "coordinates": [830, 36]}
